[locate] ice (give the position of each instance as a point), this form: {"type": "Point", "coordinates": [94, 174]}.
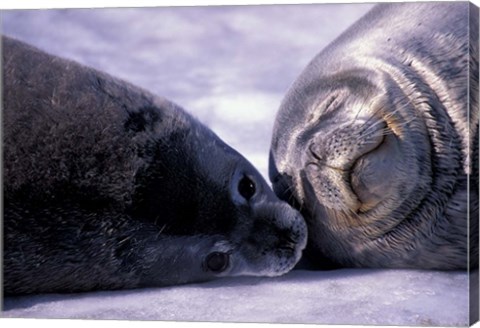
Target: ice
{"type": "Point", "coordinates": [347, 296]}
{"type": "Point", "coordinates": [230, 67]}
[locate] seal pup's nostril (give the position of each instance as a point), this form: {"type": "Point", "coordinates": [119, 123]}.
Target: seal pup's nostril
{"type": "Point", "coordinates": [287, 241]}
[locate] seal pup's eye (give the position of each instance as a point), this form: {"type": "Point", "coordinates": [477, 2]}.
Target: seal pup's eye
{"type": "Point", "coordinates": [217, 262]}
{"type": "Point", "coordinates": [246, 187]}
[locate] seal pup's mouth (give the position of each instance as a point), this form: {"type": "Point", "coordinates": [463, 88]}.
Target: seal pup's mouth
{"type": "Point", "coordinates": [288, 244]}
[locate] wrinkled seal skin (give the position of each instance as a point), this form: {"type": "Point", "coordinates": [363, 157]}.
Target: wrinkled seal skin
{"type": "Point", "coordinates": [377, 139]}
{"type": "Point", "coordinates": [107, 187]}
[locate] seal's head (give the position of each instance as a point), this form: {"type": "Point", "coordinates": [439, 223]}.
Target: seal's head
{"type": "Point", "coordinates": [201, 187]}
{"type": "Point", "coordinates": [377, 139]}
{"type": "Point", "coordinates": [107, 186]}
{"type": "Point", "coordinates": [353, 152]}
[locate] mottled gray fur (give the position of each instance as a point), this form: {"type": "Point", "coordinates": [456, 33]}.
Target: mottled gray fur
{"type": "Point", "coordinates": [377, 141]}
{"type": "Point", "coordinates": [107, 186]}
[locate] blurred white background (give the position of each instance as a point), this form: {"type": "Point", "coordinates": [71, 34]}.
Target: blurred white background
{"type": "Point", "coordinates": [229, 66]}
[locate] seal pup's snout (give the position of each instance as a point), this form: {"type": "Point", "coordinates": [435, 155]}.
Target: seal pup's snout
{"type": "Point", "coordinates": [270, 235]}
{"type": "Point", "coordinates": [288, 225]}
{"type": "Point", "coordinates": [283, 230]}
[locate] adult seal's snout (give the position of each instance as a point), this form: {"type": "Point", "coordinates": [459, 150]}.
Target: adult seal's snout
{"type": "Point", "coordinates": [377, 141]}
{"type": "Point", "coordinates": [107, 186]}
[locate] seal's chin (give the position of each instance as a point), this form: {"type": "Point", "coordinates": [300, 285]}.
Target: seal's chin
{"type": "Point", "coordinates": [250, 259]}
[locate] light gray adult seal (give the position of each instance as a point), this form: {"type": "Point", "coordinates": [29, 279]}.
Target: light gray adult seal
{"type": "Point", "coordinates": [108, 187]}
{"type": "Point", "coordinates": [377, 140]}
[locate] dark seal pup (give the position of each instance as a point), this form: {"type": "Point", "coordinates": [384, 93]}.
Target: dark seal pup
{"type": "Point", "coordinates": [107, 187]}
{"type": "Point", "coordinates": [377, 139]}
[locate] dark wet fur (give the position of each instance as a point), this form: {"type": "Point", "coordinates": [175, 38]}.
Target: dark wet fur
{"type": "Point", "coordinates": [107, 186]}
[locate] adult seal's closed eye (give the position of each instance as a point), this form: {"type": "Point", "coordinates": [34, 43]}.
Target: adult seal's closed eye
{"type": "Point", "coordinates": [107, 187]}
{"type": "Point", "coordinates": [377, 141]}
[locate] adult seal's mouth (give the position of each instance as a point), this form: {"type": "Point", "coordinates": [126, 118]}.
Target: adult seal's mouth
{"type": "Point", "coordinates": [376, 141]}
{"type": "Point", "coordinates": [333, 159]}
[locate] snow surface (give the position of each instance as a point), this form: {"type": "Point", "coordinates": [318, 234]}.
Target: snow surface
{"type": "Point", "coordinates": [386, 297]}
{"type": "Point", "coordinates": [230, 67]}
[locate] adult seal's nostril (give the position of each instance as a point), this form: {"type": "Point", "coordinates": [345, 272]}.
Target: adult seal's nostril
{"type": "Point", "coordinates": [380, 135]}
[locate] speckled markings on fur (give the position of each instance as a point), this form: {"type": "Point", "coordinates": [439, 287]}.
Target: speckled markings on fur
{"type": "Point", "coordinates": [107, 187]}
{"type": "Point", "coordinates": [377, 140]}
